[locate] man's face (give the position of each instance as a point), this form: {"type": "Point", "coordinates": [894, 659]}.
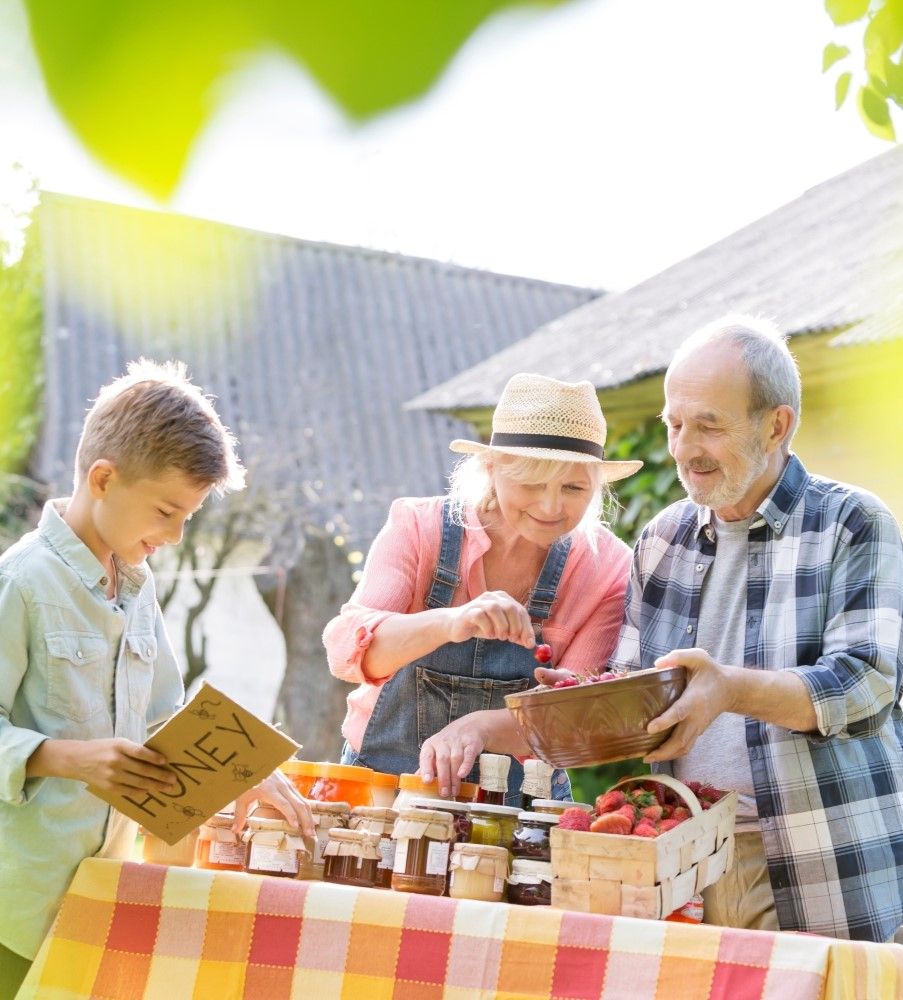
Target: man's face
{"type": "Point", "coordinates": [720, 450]}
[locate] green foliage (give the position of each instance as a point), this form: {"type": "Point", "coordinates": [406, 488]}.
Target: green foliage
{"type": "Point", "coordinates": [655, 486]}
{"type": "Point", "coordinates": [20, 506]}
{"type": "Point", "coordinates": [21, 364]}
{"type": "Point", "coordinates": [881, 80]}
{"type": "Point", "coordinates": [589, 782]}
{"type": "Point", "coordinates": [136, 80]}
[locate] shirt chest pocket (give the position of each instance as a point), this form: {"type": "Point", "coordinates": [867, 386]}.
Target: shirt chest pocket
{"type": "Point", "coordinates": [140, 655]}
{"type": "Point", "coordinates": [76, 666]}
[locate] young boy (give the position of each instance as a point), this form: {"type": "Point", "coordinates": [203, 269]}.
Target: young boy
{"type": "Point", "coordinates": [85, 663]}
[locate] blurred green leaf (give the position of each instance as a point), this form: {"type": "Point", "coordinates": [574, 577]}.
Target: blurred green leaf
{"type": "Point", "coordinates": [874, 112]}
{"type": "Point", "coordinates": [846, 11]}
{"type": "Point", "coordinates": [832, 54]}
{"type": "Point", "coordinates": [841, 89]}
{"type": "Point", "coordinates": [136, 80]}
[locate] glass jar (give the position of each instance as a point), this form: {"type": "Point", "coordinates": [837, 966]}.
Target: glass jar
{"type": "Point", "coordinates": [218, 847]}
{"type": "Point", "coordinates": [493, 825]}
{"type": "Point", "coordinates": [477, 871]}
{"type": "Point", "coordinates": [326, 816]}
{"type": "Point", "coordinates": [351, 858]}
{"type": "Point", "coordinates": [422, 838]}
{"type": "Point", "coordinates": [180, 854]}
{"type": "Point", "coordinates": [273, 847]}
{"type": "Point", "coordinates": [494, 770]}
{"type": "Point", "coordinates": [558, 806]}
{"type": "Point", "coordinates": [459, 811]}
{"type": "Point", "coordinates": [531, 836]}
{"type": "Point", "coordinates": [530, 883]}
{"type": "Point", "coordinates": [412, 786]}
{"type": "Point", "coordinates": [378, 823]}
{"type": "Point", "coordinates": [301, 773]}
{"type": "Point", "coordinates": [537, 783]}
{"type": "Point", "coordinates": [341, 783]}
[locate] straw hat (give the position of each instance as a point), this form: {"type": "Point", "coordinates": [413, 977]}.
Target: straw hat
{"type": "Point", "coordinates": [540, 417]}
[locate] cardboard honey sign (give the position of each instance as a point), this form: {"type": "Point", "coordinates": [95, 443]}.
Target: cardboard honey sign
{"type": "Point", "coordinates": [217, 750]}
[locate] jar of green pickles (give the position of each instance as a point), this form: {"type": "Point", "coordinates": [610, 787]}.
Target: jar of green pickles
{"type": "Point", "coordinates": [493, 825]}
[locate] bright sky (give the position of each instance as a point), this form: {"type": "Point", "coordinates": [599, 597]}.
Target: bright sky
{"type": "Point", "coordinates": [594, 145]}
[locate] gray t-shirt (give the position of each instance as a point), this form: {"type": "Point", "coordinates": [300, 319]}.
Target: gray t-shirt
{"type": "Point", "coordinates": [719, 755]}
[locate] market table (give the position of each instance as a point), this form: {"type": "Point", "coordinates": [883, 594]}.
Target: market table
{"type": "Point", "coordinates": [128, 930]}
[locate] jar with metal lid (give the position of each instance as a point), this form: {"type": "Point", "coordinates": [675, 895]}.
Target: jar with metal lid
{"type": "Point", "coordinates": [412, 786]}
{"type": "Point", "coordinates": [351, 857]}
{"type": "Point", "coordinates": [219, 847]}
{"type": "Point", "coordinates": [493, 824]}
{"type": "Point", "coordinates": [530, 883]}
{"type": "Point", "coordinates": [537, 783]}
{"type": "Point", "coordinates": [531, 836]}
{"type": "Point", "coordinates": [273, 847]}
{"type": "Point", "coordinates": [494, 768]}
{"type": "Point", "coordinates": [477, 871]}
{"type": "Point", "coordinates": [378, 823]}
{"type": "Point", "coordinates": [558, 806]}
{"type": "Point", "coordinates": [422, 838]}
{"type": "Point", "coordinates": [459, 811]}
{"type": "Point", "coordinates": [326, 816]}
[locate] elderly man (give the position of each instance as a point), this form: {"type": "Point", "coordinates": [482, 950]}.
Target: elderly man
{"type": "Point", "coordinates": [782, 595]}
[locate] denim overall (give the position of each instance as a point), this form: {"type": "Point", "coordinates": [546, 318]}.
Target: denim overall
{"type": "Point", "coordinates": [457, 678]}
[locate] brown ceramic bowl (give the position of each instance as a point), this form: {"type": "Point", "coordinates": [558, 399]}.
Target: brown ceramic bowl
{"type": "Point", "coordinates": [597, 723]}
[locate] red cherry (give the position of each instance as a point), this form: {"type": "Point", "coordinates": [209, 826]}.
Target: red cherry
{"type": "Point", "coordinates": [543, 653]}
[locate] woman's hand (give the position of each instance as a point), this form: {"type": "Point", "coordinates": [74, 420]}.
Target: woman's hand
{"type": "Point", "coordinates": [492, 615]}
{"type": "Point", "coordinates": [110, 765]}
{"type": "Point", "coordinates": [276, 791]}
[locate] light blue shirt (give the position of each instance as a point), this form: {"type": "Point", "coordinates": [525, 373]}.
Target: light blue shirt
{"type": "Point", "coordinates": [73, 665]}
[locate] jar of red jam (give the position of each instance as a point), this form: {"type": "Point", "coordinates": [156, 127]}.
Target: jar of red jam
{"type": "Point", "coordinates": [530, 883]}
{"type": "Point", "coordinates": [422, 838]}
{"type": "Point", "coordinates": [351, 857]}
{"type": "Point", "coordinates": [531, 836]}
{"type": "Point", "coordinates": [378, 823]}
{"type": "Point", "coordinates": [218, 847]}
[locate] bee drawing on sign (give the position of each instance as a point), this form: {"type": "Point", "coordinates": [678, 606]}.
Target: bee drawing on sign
{"type": "Point", "coordinates": [241, 772]}
{"type": "Point", "coordinates": [189, 812]}
{"type": "Point", "coordinates": [202, 712]}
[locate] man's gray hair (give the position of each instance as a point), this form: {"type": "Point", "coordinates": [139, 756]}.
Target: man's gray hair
{"type": "Point", "coordinates": [774, 377]}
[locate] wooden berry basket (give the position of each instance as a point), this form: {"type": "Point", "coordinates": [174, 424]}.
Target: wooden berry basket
{"type": "Point", "coordinates": [639, 876]}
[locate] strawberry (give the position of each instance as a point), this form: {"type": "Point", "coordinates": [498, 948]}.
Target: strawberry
{"type": "Point", "coordinates": [627, 811]}
{"type": "Point", "coordinates": [566, 682]}
{"type": "Point", "coordinates": [611, 823]}
{"type": "Point", "coordinates": [694, 786]}
{"type": "Point", "coordinates": [653, 813]}
{"type": "Point", "coordinates": [645, 829]}
{"type": "Point", "coordinates": [641, 798]}
{"type": "Point", "coordinates": [610, 801]}
{"type": "Point", "coordinates": [574, 819]}
{"type": "Point", "coordinates": [707, 792]}
{"type": "Point", "coordinates": [668, 824]}
{"type": "Point", "coordinates": [680, 813]}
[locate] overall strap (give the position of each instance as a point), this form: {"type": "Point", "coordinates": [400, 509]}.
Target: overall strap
{"type": "Point", "coordinates": [543, 595]}
{"type": "Point", "coordinates": [446, 577]}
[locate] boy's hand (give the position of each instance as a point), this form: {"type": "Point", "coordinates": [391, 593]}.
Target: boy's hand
{"type": "Point", "coordinates": [110, 765]}
{"type": "Point", "coordinates": [276, 791]}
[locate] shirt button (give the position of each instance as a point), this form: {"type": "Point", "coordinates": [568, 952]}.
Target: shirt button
{"type": "Point", "coordinates": [78, 653]}
{"type": "Point", "coordinates": [699, 567]}
{"type": "Point", "coordinates": [147, 650]}
{"type": "Point", "coordinates": [778, 524]}
{"type": "Point", "coordinates": [689, 629]}
{"type": "Point", "coordinates": [104, 581]}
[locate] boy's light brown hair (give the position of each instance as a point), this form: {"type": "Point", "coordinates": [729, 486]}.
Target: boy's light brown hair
{"type": "Point", "coordinates": [154, 419]}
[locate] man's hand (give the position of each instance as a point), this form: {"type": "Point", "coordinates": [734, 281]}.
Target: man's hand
{"type": "Point", "coordinates": [709, 692]}
{"type": "Point", "coordinates": [276, 791]}
{"type": "Point", "coordinates": [110, 765]}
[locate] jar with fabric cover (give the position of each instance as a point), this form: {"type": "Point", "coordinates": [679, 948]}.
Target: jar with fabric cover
{"type": "Point", "coordinates": [494, 770]}
{"type": "Point", "coordinates": [537, 783]}
{"type": "Point", "coordinates": [326, 816]}
{"type": "Point", "coordinates": [351, 857]}
{"type": "Point", "coordinates": [219, 848]}
{"type": "Point", "coordinates": [422, 838]}
{"type": "Point", "coordinates": [530, 883]}
{"type": "Point", "coordinates": [378, 823]}
{"type": "Point", "coordinates": [272, 847]}
{"type": "Point", "coordinates": [459, 812]}
{"type": "Point", "coordinates": [477, 871]}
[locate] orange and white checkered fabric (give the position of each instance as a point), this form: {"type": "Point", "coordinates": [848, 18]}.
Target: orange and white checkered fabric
{"type": "Point", "coordinates": [135, 931]}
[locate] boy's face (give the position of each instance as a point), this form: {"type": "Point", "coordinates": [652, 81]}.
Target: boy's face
{"type": "Point", "coordinates": [133, 519]}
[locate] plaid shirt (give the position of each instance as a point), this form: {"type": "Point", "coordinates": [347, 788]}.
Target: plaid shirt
{"type": "Point", "coordinates": [825, 601]}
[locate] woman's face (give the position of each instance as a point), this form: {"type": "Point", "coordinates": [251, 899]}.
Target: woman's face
{"type": "Point", "coordinates": [544, 511]}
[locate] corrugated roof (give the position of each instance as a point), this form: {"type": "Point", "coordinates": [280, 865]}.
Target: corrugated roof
{"type": "Point", "coordinates": [310, 348]}
{"type": "Point", "coordinates": [826, 261]}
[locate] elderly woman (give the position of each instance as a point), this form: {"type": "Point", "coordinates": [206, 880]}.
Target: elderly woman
{"type": "Point", "coordinates": [457, 591]}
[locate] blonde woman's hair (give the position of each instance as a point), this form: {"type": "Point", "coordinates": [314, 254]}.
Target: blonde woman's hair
{"type": "Point", "coordinates": [154, 418]}
{"type": "Point", "coordinates": [470, 485]}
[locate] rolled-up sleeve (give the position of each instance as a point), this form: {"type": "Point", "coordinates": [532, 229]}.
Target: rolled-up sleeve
{"type": "Point", "coordinates": [17, 744]}
{"type": "Point", "coordinates": [386, 588]}
{"type": "Point", "coordinates": [855, 683]}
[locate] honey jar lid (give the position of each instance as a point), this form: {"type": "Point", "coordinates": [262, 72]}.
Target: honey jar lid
{"type": "Point", "coordinates": [481, 850]}
{"type": "Point", "coordinates": [381, 813]}
{"type": "Point", "coordinates": [540, 805]}
{"type": "Point", "coordinates": [329, 808]}
{"type": "Point", "coordinates": [482, 807]}
{"type": "Point", "coordinates": [414, 783]}
{"type": "Point", "coordinates": [443, 805]}
{"type": "Point", "coordinates": [523, 866]}
{"type": "Point", "coordinates": [342, 772]}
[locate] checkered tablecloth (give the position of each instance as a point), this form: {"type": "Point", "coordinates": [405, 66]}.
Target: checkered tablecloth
{"type": "Point", "coordinates": [135, 931]}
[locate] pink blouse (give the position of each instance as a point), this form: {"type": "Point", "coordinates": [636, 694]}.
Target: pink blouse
{"type": "Point", "coordinates": [582, 629]}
